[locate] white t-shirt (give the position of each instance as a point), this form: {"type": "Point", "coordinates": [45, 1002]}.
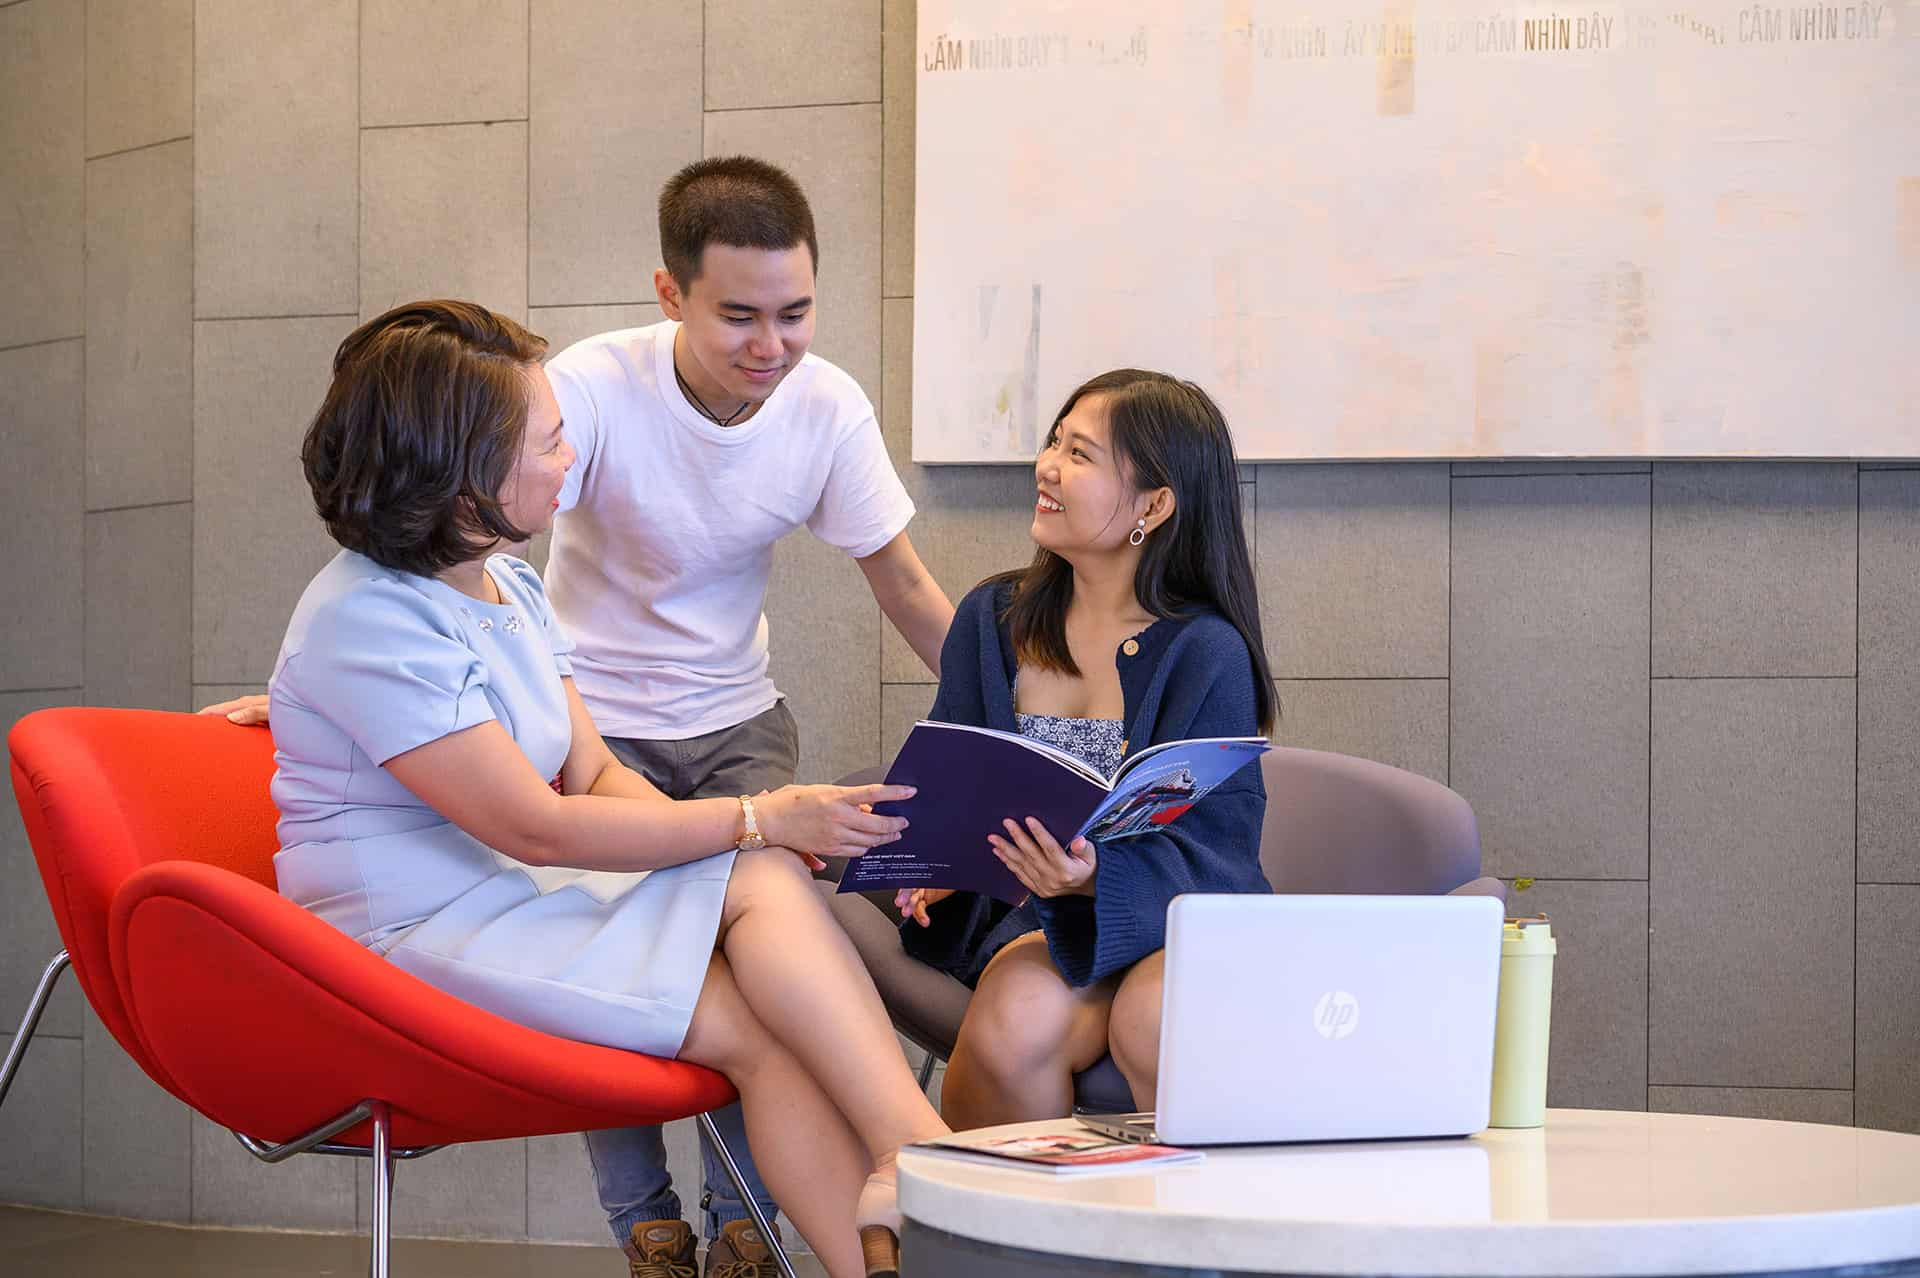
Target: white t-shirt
{"type": "Point", "coordinates": [667, 523]}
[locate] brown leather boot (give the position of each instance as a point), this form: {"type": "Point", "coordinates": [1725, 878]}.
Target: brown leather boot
{"type": "Point", "coordinates": [740, 1252]}
{"type": "Point", "coordinates": [661, 1249]}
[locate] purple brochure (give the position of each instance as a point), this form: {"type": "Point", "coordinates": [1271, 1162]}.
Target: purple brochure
{"type": "Point", "coordinates": [970, 779]}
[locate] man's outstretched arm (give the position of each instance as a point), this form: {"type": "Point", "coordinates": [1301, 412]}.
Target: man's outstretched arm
{"type": "Point", "coordinates": [911, 598]}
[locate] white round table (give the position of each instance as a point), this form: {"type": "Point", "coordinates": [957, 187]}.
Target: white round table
{"type": "Point", "coordinates": [1592, 1193]}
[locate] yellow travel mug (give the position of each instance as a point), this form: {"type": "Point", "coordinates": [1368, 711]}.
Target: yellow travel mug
{"type": "Point", "coordinates": [1523, 1023]}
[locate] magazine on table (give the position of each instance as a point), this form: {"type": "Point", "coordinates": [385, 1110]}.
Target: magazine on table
{"type": "Point", "coordinates": [970, 779]}
{"type": "Point", "coordinates": [1070, 1151]}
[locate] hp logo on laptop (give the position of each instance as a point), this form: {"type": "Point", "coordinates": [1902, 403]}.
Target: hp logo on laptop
{"type": "Point", "coordinates": [1336, 1015]}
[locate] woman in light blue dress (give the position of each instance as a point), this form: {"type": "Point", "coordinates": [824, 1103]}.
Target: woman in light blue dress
{"type": "Point", "coordinates": [446, 800]}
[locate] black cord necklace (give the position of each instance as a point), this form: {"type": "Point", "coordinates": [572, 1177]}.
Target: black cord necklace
{"type": "Point", "coordinates": [708, 413]}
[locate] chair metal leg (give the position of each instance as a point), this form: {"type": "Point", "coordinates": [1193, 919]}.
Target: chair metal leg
{"type": "Point", "coordinates": [926, 1071]}
{"type": "Point", "coordinates": [382, 1187]}
{"type": "Point", "coordinates": [31, 1021]}
{"type": "Point", "coordinates": [760, 1220]}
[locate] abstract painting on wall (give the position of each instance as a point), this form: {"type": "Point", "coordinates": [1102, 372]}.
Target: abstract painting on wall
{"type": "Point", "coordinates": [1425, 228]}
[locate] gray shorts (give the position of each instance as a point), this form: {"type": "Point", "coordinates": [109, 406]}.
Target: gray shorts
{"type": "Point", "coordinates": [761, 754]}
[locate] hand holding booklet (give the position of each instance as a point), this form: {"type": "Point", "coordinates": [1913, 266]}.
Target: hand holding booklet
{"type": "Point", "coordinates": [1070, 1151]}
{"type": "Point", "coordinates": [970, 779]}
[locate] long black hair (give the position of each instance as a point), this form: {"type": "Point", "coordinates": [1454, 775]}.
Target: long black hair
{"type": "Point", "coordinates": [1166, 433]}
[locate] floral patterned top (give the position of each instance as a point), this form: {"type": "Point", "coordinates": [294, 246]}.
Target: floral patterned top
{"type": "Point", "coordinates": [1098, 743]}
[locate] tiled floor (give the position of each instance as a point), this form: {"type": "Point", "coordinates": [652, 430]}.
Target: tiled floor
{"type": "Point", "coordinates": [57, 1245]}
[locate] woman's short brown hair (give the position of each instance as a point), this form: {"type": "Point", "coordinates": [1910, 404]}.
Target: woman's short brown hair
{"type": "Point", "coordinates": [419, 433]}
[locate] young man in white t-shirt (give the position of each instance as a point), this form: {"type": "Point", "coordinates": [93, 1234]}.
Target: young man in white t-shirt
{"type": "Point", "coordinates": [702, 440]}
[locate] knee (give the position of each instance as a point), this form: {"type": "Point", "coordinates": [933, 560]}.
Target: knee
{"type": "Point", "coordinates": [772, 869]}
{"type": "Point", "coordinates": [772, 875]}
{"type": "Point", "coordinates": [1009, 1033]}
{"type": "Point", "coordinates": [1136, 1048]}
{"type": "Point", "coordinates": [1133, 1036]}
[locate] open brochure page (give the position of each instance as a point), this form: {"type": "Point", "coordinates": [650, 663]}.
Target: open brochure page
{"type": "Point", "coordinates": [1071, 1150]}
{"type": "Point", "coordinates": [1158, 785]}
{"type": "Point", "coordinates": [969, 780]}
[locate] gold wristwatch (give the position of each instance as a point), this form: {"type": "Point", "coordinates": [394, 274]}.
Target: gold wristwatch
{"type": "Point", "coordinates": [751, 841]}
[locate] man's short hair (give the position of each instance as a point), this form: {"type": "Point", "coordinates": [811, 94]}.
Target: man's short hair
{"type": "Point", "coordinates": [734, 200]}
{"type": "Point", "coordinates": [419, 433]}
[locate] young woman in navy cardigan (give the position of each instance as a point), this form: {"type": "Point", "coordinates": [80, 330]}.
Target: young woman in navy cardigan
{"type": "Point", "coordinates": [1135, 624]}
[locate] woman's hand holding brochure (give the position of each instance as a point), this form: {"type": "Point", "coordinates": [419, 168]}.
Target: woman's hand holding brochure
{"type": "Point", "coordinates": [1038, 861]}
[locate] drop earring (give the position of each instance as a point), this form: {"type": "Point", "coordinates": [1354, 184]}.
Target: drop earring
{"type": "Point", "coordinates": [1139, 534]}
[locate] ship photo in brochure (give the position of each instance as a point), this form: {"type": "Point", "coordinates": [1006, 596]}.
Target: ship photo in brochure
{"type": "Point", "coordinates": [970, 779]}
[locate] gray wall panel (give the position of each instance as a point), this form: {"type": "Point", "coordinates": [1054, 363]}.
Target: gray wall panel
{"type": "Point", "coordinates": [139, 399]}
{"type": "Point", "coordinates": [1890, 676]}
{"type": "Point", "coordinates": [1353, 570]}
{"type": "Point", "coordinates": [232, 1187]}
{"type": "Point", "coordinates": [1887, 1079]}
{"type": "Point", "coordinates": [276, 156]}
{"type": "Point", "coordinates": [455, 61]}
{"type": "Point", "coordinates": [602, 140]}
{"type": "Point", "coordinates": [139, 647]}
{"type": "Point", "coordinates": [767, 53]}
{"type": "Point", "coordinates": [42, 150]}
{"type": "Point", "coordinates": [1752, 883]}
{"type": "Point", "coordinates": [1753, 569]}
{"type": "Point", "coordinates": [139, 73]}
{"type": "Point", "coordinates": [40, 393]}
{"type": "Point", "coordinates": [138, 1140]}
{"type": "Point", "coordinates": [1402, 722]}
{"type": "Point", "coordinates": [563, 1204]}
{"type": "Point", "coordinates": [898, 23]}
{"type": "Point", "coordinates": [1549, 715]}
{"type": "Point", "coordinates": [901, 706]}
{"type": "Point", "coordinates": [466, 1191]}
{"type": "Point", "coordinates": [40, 1126]}
{"type": "Point", "coordinates": [443, 213]}
{"type": "Point", "coordinates": [562, 326]}
{"type": "Point", "coordinates": [824, 636]}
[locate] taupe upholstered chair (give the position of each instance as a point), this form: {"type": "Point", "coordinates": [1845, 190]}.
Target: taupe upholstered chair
{"type": "Point", "coordinates": [1335, 825]}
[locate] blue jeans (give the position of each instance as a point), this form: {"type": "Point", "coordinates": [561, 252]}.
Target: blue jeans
{"type": "Point", "coordinates": [630, 1163]}
{"type": "Point", "coordinates": [630, 1169]}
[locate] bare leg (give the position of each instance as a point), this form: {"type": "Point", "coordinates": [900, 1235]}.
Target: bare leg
{"type": "Point", "coordinates": [1026, 1033]}
{"type": "Point", "coordinates": [804, 981]}
{"type": "Point", "coordinates": [812, 1161]}
{"type": "Point", "coordinates": [1133, 1032]}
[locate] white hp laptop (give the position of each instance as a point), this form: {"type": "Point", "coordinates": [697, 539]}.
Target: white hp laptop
{"type": "Point", "coordinates": [1320, 1018]}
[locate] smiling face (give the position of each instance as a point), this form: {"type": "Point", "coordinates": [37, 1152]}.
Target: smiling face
{"type": "Point", "coordinates": [746, 321]}
{"type": "Point", "coordinates": [1085, 503]}
{"type": "Point", "coordinates": [532, 492]}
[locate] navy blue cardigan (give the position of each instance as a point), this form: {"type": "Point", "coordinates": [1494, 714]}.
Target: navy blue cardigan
{"type": "Point", "coordinates": [1191, 677]}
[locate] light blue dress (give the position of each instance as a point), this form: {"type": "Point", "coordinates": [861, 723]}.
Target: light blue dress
{"type": "Point", "coordinates": [376, 662]}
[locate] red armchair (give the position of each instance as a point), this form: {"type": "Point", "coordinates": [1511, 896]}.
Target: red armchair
{"type": "Point", "coordinates": [154, 835]}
